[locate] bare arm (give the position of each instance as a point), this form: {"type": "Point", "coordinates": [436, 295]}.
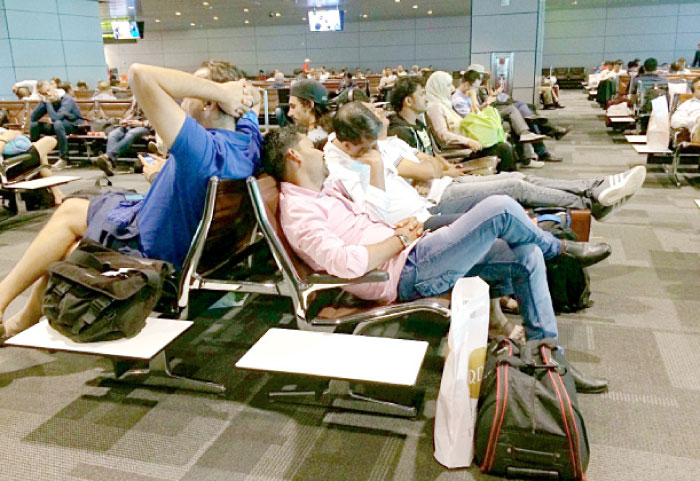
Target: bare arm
{"type": "Point", "coordinates": [155, 89]}
{"type": "Point", "coordinates": [376, 168]}
{"type": "Point", "coordinates": [427, 169]}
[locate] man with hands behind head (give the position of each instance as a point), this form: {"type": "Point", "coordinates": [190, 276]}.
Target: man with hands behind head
{"type": "Point", "coordinates": [213, 132]}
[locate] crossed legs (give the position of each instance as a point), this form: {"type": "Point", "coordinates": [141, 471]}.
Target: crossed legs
{"type": "Point", "coordinates": [65, 228]}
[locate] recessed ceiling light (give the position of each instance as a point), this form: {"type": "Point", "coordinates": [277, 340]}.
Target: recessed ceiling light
{"type": "Point", "coordinates": [397, 1]}
{"type": "Point", "coordinates": [277, 14]}
{"type": "Point", "coordinates": [206, 4]}
{"type": "Point", "coordinates": [364, 15]}
{"type": "Point", "coordinates": [245, 10]}
{"type": "Point", "coordinates": [216, 18]}
{"type": "Point", "coordinates": [192, 24]}
{"type": "Point", "coordinates": [178, 13]}
{"type": "Point", "coordinates": [130, 7]}
{"type": "Point", "coordinates": [415, 6]}
{"type": "Point", "coordinates": [430, 12]}
{"type": "Point", "coordinates": [247, 21]}
{"type": "Point", "coordinates": [303, 18]}
{"type": "Point", "coordinates": [157, 20]}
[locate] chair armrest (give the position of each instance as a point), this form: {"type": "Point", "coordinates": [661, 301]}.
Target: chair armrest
{"type": "Point", "coordinates": [373, 276]}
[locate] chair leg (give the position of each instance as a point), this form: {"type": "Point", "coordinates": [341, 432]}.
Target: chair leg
{"type": "Point", "coordinates": [339, 395]}
{"type": "Point", "coordinates": [158, 373]}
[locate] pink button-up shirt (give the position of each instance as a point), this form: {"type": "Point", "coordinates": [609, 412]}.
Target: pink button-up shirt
{"type": "Point", "coordinates": [328, 231]}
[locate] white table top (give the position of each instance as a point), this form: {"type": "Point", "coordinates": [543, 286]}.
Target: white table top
{"type": "Point", "coordinates": [337, 356]}
{"type": "Point", "coordinates": [636, 139]}
{"type": "Point", "coordinates": [644, 149]}
{"type": "Point", "coordinates": [43, 182]}
{"type": "Point", "coordinates": [154, 337]}
{"type": "Point", "coordinates": [622, 119]}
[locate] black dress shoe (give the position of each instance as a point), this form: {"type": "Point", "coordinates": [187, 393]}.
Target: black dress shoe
{"type": "Point", "coordinates": [586, 253]}
{"type": "Point", "coordinates": [588, 384]}
{"type": "Point", "coordinates": [560, 132]}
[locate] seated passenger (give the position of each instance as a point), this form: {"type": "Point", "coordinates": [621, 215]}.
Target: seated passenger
{"type": "Point", "coordinates": [495, 241]}
{"type": "Point", "coordinates": [39, 152]}
{"type": "Point", "coordinates": [103, 91]}
{"type": "Point", "coordinates": [371, 168]}
{"type": "Point", "coordinates": [445, 122]}
{"type": "Point", "coordinates": [132, 126]}
{"type": "Point", "coordinates": [64, 117]}
{"type": "Point", "coordinates": [687, 114]}
{"type": "Point", "coordinates": [308, 108]}
{"type": "Point", "coordinates": [204, 140]}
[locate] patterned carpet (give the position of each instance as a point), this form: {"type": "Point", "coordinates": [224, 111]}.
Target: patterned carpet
{"type": "Point", "coordinates": [59, 420]}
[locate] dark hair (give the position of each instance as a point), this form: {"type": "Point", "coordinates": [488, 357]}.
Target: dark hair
{"type": "Point", "coordinates": [650, 64]}
{"type": "Point", "coordinates": [354, 122]}
{"type": "Point", "coordinates": [618, 61]}
{"type": "Point", "coordinates": [695, 81]}
{"type": "Point", "coordinates": [221, 71]}
{"type": "Point", "coordinates": [470, 76]}
{"type": "Point", "coordinates": [404, 87]}
{"type": "Point", "coordinates": [275, 147]}
{"type": "Point", "coordinates": [23, 92]}
{"type": "Point", "coordinates": [675, 67]}
{"type": "Point", "coordinates": [81, 83]}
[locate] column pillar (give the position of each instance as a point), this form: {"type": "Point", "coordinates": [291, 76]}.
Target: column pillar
{"type": "Point", "coordinates": [511, 26]}
{"type": "Point", "coordinates": [41, 39]}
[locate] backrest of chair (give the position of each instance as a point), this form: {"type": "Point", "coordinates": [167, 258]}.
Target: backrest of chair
{"type": "Point", "coordinates": [264, 194]}
{"type": "Point", "coordinates": [623, 84]}
{"type": "Point", "coordinates": [437, 145]}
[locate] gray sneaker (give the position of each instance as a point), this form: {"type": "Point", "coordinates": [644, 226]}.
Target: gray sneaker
{"type": "Point", "coordinates": [533, 164]}
{"type": "Point", "coordinates": [59, 164]}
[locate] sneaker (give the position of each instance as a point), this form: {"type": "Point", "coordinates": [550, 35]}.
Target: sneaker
{"type": "Point", "coordinates": [551, 158]}
{"type": "Point", "coordinates": [560, 132]}
{"type": "Point", "coordinates": [534, 164]}
{"type": "Point", "coordinates": [617, 187]}
{"type": "Point", "coordinates": [604, 212]}
{"type": "Point", "coordinates": [153, 147]}
{"type": "Point", "coordinates": [530, 137]}
{"type": "Point", "coordinates": [60, 164]}
{"type": "Point", "coordinates": [105, 164]}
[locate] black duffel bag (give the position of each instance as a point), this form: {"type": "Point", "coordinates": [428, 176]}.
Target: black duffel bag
{"type": "Point", "coordinates": [98, 294]}
{"type": "Point", "coordinates": [528, 423]}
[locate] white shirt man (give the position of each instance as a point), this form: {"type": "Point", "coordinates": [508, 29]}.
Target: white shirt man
{"type": "Point", "coordinates": [687, 115]}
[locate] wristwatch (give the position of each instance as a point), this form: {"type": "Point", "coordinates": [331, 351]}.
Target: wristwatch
{"type": "Point", "coordinates": [405, 241]}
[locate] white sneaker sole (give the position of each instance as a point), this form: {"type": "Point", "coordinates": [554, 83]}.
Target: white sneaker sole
{"type": "Point", "coordinates": [623, 185]}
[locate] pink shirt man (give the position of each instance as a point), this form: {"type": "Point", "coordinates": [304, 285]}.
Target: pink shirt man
{"type": "Point", "coordinates": [328, 232]}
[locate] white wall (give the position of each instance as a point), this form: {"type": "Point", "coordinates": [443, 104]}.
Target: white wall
{"type": "Point", "coordinates": [579, 37]}
{"type": "Point", "coordinates": [442, 42]}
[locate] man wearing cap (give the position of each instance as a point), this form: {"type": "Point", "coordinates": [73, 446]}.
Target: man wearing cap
{"type": "Point", "coordinates": [308, 108]}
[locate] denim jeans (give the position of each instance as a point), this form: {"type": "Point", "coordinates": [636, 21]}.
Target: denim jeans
{"type": "Point", "coordinates": [531, 191]}
{"type": "Point", "coordinates": [497, 242]}
{"type": "Point", "coordinates": [120, 139]}
{"type": "Point", "coordinates": [60, 128]}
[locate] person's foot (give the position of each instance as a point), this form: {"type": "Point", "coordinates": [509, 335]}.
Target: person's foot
{"type": "Point", "coordinates": [18, 323]}
{"type": "Point", "coordinates": [105, 164]}
{"type": "Point", "coordinates": [559, 106]}
{"type": "Point", "coordinates": [530, 137]}
{"type": "Point", "coordinates": [60, 164]}
{"type": "Point", "coordinates": [588, 384]}
{"type": "Point", "coordinates": [618, 186]}
{"type": "Point", "coordinates": [533, 164]}
{"type": "Point", "coordinates": [499, 324]}
{"type": "Point", "coordinates": [586, 253]}
{"type": "Point", "coordinates": [153, 147]}
{"type": "Point", "coordinates": [560, 132]}
{"type": "Point", "coordinates": [551, 158]}
{"type": "Point", "coordinates": [549, 107]}
{"type": "Point", "coordinates": [603, 212]}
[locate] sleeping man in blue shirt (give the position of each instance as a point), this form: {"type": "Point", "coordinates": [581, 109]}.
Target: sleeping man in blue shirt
{"type": "Point", "coordinates": [214, 131]}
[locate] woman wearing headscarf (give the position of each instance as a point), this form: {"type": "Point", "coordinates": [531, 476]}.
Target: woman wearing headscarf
{"type": "Point", "coordinates": [445, 122]}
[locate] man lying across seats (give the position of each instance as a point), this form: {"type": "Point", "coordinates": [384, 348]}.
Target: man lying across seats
{"type": "Point", "coordinates": [495, 241]}
{"type": "Point", "coordinates": [371, 167]}
{"type": "Point", "coordinates": [211, 133]}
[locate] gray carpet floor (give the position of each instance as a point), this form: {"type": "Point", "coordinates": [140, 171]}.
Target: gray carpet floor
{"type": "Point", "coordinates": [59, 419]}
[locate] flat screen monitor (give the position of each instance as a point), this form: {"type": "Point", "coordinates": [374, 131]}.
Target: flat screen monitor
{"type": "Point", "coordinates": [325, 20]}
{"type": "Point", "coordinates": [125, 30]}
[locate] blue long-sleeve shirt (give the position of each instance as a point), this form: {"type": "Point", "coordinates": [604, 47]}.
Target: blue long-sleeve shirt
{"type": "Point", "coordinates": [65, 109]}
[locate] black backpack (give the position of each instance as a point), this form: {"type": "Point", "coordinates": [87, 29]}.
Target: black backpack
{"type": "Point", "coordinates": [98, 294]}
{"type": "Point", "coordinates": [569, 283]}
{"type": "Point", "coordinates": [528, 423]}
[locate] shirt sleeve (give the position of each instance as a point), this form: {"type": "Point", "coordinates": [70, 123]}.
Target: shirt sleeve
{"type": "Point", "coordinates": [440, 128]}
{"type": "Point", "coordinates": [67, 110]}
{"type": "Point", "coordinates": [38, 112]}
{"type": "Point", "coordinates": [308, 232]}
{"type": "Point", "coordinates": [405, 134]}
{"type": "Point", "coordinates": [193, 146]}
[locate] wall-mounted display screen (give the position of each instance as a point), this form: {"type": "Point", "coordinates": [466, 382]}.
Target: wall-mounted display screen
{"type": "Point", "coordinates": [326, 20]}
{"type": "Point", "coordinates": [120, 29]}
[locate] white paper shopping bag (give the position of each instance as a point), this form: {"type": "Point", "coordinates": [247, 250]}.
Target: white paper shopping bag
{"type": "Point", "coordinates": [455, 414]}
{"type": "Point", "coordinates": [659, 129]}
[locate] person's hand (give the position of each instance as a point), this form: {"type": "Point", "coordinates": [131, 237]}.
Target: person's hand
{"type": "Point", "coordinates": [423, 189]}
{"type": "Point", "coordinates": [238, 98]}
{"type": "Point", "coordinates": [151, 168]}
{"type": "Point", "coordinates": [410, 227]}
{"type": "Point", "coordinates": [455, 170]}
{"type": "Point", "coordinates": [253, 91]}
{"type": "Point", "coordinates": [498, 91]}
{"type": "Point", "coordinates": [370, 157]}
{"type": "Point", "coordinates": [473, 144]}
{"type": "Point", "coordinates": [490, 100]}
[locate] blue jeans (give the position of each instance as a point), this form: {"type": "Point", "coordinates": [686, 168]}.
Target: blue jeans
{"type": "Point", "coordinates": [497, 242]}
{"type": "Point", "coordinates": [120, 139]}
{"type": "Point", "coordinates": [60, 128]}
